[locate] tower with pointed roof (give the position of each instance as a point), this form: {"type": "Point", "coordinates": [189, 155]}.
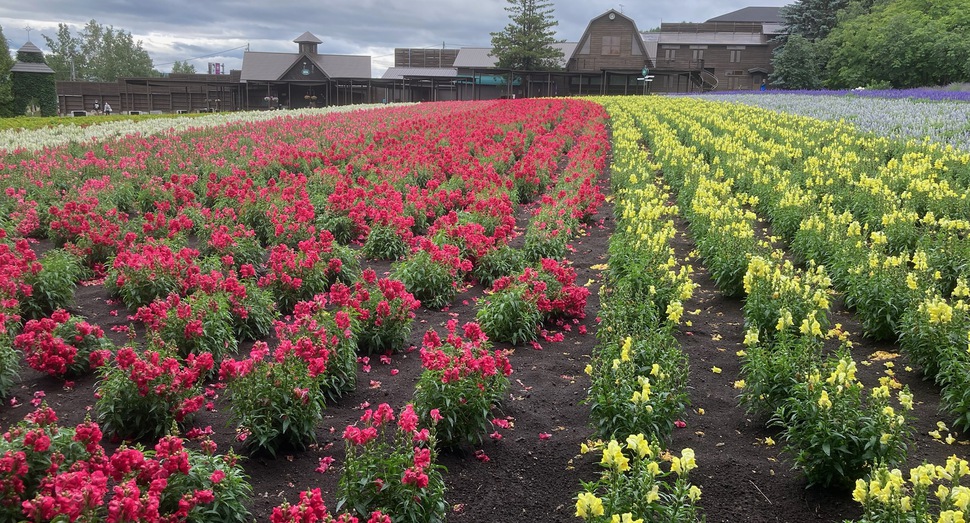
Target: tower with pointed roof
{"type": "Point", "coordinates": [33, 82]}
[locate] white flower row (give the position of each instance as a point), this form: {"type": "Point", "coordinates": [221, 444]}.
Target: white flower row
{"type": "Point", "coordinates": [944, 122]}
{"type": "Point", "coordinates": [13, 140]}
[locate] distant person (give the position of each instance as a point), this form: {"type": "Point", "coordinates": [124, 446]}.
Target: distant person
{"type": "Point", "coordinates": [107, 108]}
{"type": "Point", "coordinates": [97, 107]}
{"type": "Point", "coordinates": [764, 86]}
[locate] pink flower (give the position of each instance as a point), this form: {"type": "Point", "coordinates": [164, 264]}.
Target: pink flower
{"type": "Point", "coordinates": [544, 436]}
{"type": "Point", "coordinates": [680, 424]}
{"type": "Point", "coordinates": [217, 476]}
{"type": "Point", "coordinates": [325, 463]}
{"type": "Point", "coordinates": [481, 456]}
{"type": "Point", "coordinates": [435, 414]}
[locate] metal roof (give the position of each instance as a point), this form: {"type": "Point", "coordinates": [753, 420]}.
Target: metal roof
{"type": "Point", "coordinates": [268, 67]}
{"type": "Point", "coordinates": [307, 38]}
{"type": "Point", "coordinates": [29, 67]}
{"type": "Point", "coordinates": [475, 57]}
{"type": "Point", "coordinates": [29, 47]}
{"type": "Point", "coordinates": [398, 73]}
{"type": "Point", "coordinates": [705, 38]}
{"type": "Point", "coordinates": [650, 42]}
{"type": "Point", "coordinates": [481, 57]}
{"type": "Point", "coordinates": [751, 14]}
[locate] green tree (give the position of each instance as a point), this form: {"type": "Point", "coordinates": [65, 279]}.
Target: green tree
{"type": "Point", "coordinates": [6, 89]}
{"type": "Point", "coordinates": [185, 67]}
{"type": "Point", "coordinates": [97, 53]}
{"type": "Point", "coordinates": [65, 56]}
{"type": "Point", "coordinates": [807, 22]}
{"type": "Point", "coordinates": [526, 42]}
{"type": "Point", "coordinates": [796, 65]}
{"type": "Point", "coordinates": [902, 43]}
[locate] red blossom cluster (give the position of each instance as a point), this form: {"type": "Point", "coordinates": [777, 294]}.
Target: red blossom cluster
{"type": "Point", "coordinates": [465, 357]}
{"type": "Point", "coordinates": [311, 509]}
{"type": "Point", "coordinates": [16, 262]}
{"type": "Point", "coordinates": [40, 482]}
{"type": "Point", "coordinates": [552, 287]}
{"type": "Point", "coordinates": [61, 346]}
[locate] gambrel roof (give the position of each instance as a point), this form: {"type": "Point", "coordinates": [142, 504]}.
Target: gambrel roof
{"type": "Point", "coordinates": [612, 14]}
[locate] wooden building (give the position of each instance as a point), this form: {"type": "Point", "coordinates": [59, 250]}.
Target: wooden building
{"type": "Point", "coordinates": [729, 52]}
{"type": "Point", "coordinates": [305, 78]}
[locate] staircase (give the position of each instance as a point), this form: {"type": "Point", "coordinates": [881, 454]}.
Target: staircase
{"type": "Point", "coordinates": [704, 80]}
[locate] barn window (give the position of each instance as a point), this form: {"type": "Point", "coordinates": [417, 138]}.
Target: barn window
{"type": "Point", "coordinates": [611, 45]}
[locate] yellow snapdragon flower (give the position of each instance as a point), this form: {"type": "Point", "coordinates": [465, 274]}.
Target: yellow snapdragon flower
{"type": "Point", "coordinates": [824, 401]}
{"type": "Point", "coordinates": [589, 506]}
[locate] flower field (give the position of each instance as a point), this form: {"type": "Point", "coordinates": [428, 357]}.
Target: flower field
{"type": "Point", "coordinates": [938, 116]}
{"type": "Point", "coordinates": [621, 309]}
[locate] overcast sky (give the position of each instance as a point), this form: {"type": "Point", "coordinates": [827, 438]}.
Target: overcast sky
{"type": "Point", "coordinates": [203, 31]}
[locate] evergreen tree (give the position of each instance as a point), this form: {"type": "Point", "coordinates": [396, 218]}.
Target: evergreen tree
{"type": "Point", "coordinates": [807, 23]}
{"type": "Point", "coordinates": [526, 42]}
{"type": "Point", "coordinates": [812, 19]}
{"type": "Point", "coordinates": [6, 89]}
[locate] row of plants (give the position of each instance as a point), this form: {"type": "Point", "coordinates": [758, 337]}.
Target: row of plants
{"type": "Point", "coordinates": [809, 398]}
{"type": "Point", "coordinates": [785, 312]}
{"type": "Point", "coordinates": [638, 374]}
{"type": "Point", "coordinates": [887, 219]}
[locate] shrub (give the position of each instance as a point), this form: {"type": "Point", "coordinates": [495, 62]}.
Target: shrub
{"type": "Point", "coordinates": [31, 450]}
{"type": "Point", "coordinates": [62, 346]}
{"type": "Point", "coordinates": [383, 310]}
{"type": "Point", "coordinates": [314, 330]}
{"type": "Point", "coordinates": [142, 394]}
{"type": "Point", "coordinates": [297, 275]}
{"type": "Point", "coordinates": [771, 368]}
{"type": "Point", "coordinates": [635, 487]}
{"type": "Point", "coordinates": [462, 381]}
{"type": "Point", "coordinates": [9, 364]}
{"type": "Point", "coordinates": [393, 470]}
{"type": "Point", "coordinates": [639, 387]}
{"type": "Point", "coordinates": [834, 433]}
{"type": "Point", "coordinates": [197, 324]}
{"type": "Point", "coordinates": [886, 496]}
{"type": "Point", "coordinates": [52, 287]}
{"type": "Point", "coordinates": [385, 243]}
{"type": "Point", "coordinates": [432, 274]}
{"type": "Point", "coordinates": [276, 402]}
{"type": "Point", "coordinates": [517, 306]}
{"type": "Point", "coordinates": [503, 261]}
{"type": "Point", "coordinates": [151, 270]}
{"type": "Point", "coordinates": [253, 308]}
{"type": "Point", "coordinates": [510, 315]}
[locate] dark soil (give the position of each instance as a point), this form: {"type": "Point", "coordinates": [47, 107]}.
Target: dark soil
{"type": "Point", "coordinates": [528, 478]}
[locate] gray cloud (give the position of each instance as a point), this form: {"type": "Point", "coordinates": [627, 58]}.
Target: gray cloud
{"type": "Point", "coordinates": [189, 30]}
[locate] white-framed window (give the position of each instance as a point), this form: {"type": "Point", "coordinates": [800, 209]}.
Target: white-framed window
{"type": "Point", "coordinates": [670, 55]}
{"type": "Point", "coordinates": [735, 56]}
{"type": "Point", "coordinates": [697, 55]}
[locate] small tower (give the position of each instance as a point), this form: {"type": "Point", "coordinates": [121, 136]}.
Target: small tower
{"type": "Point", "coordinates": [33, 82]}
{"type": "Point", "coordinates": [308, 43]}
